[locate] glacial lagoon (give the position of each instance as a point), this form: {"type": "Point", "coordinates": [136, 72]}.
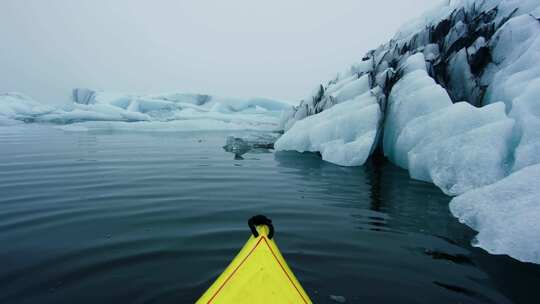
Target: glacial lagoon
{"type": "Point", "coordinates": [146, 217]}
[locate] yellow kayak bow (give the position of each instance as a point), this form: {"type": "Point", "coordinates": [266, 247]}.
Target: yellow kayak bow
{"type": "Point", "coordinates": [258, 274]}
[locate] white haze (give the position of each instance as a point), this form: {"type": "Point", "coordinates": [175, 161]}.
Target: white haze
{"type": "Point", "coordinates": [243, 48]}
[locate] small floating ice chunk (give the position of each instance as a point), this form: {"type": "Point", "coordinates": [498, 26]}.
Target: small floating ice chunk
{"type": "Point", "coordinates": [236, 145]}
{"type": "Point", "coordinates": [338, 299]}
{"type": "Point", "coordinates": [253, 143]}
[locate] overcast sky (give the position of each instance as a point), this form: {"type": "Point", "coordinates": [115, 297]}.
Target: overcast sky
{"type": "Point", "coordinates": [273, 48]}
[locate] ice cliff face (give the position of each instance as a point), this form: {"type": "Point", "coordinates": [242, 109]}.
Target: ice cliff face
{"type": "Point", "coordinates": [456, 95]}
{"type": "Point", "coordinates": [168, 112]}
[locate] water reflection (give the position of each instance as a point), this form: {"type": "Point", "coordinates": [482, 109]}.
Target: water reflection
{"type": "Point", "coordinates": [417, 244]}
{"type": "Point", "coordinates": [167, 212]}
{"type": "Point", "coordinates": [380, 187]}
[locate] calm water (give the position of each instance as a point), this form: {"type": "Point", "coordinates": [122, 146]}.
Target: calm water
{"type": "Point", "coordinates": [154, 218]}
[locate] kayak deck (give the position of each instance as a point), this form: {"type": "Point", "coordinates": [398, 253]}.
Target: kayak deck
{"type": "Point", "coordinates": [258, 274]}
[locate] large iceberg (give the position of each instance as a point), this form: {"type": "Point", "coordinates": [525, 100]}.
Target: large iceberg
{"type": "Point", "coordinates": [457, 91]}
{"type": "Point", "coordinates": [168, 112]}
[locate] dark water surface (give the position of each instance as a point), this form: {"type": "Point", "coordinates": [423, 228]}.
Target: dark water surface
{"type": "Point", "coordinates": [154, 218]}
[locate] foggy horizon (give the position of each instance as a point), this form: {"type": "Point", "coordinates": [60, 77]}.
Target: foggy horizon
{"type": "Point", "coordinates": [241, 49]}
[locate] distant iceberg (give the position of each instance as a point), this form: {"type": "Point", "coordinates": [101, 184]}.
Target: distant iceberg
{"type": "Point", "coordinates": [19, 107]}
{"type": "Point", "coordinates": [93, 110]}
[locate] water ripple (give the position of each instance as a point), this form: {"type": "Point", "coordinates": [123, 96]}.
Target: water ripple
{"type": "Point", "coordinates": [154, 218]}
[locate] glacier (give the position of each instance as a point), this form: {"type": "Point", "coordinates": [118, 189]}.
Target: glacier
{"type": "Point", "coordinates": [454, 99]}
{"type": "Point", "coordinates": [100, 110]}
